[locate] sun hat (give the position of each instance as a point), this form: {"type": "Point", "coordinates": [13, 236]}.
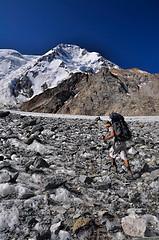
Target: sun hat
{"type": "Point", "coordinates": [108, 124]}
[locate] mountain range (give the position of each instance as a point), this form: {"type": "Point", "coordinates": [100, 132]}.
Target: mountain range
{"type": "Point", "coordinates": [71, 80]}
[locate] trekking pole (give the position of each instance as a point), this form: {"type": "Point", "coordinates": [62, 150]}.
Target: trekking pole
{"type": "Point", "coordinates": [101, 165]}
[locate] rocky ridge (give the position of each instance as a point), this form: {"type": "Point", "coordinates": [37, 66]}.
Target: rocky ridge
{"type": "Point", "coordinates": [56, 182]}
{"type": "Point", "coordinates": [131, 92]}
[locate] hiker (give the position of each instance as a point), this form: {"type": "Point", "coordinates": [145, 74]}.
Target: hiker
{"type": "Point", "coordinates": [118, 147]}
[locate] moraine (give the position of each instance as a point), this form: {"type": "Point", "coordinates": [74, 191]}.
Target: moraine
{"type": "Point", "coordinates": [56, 182]}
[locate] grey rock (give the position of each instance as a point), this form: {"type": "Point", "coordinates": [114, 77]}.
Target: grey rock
{"type": "Point", "coordinates": [44, 235]}
{"type": "Point", "coordinates": [7, 176]}
{"type": "Point", "coordinates": [145, 168]}
{"type": "Point", "coordinates": [1, 158]}
{"type": "Point", "coordinates": [88, 180]}
{"type": "Point", "coordinates": [4, 164]}
{"type": "Point", "coordinates": [4, 114]}
{"type": "Point", "coordinates": [152, 176]}
{"type": "Point", "coordinates": [134, 226]}
{"type": "Point", "coordinates": [31, 122]}
{"type": "Point", "coordinates": [55, 227]}
{"type": "Point", "coordinates": [64, 235]}
{"type": "Point", "coordinates": [40, 163]}
{"type": "Point", "coordinates": [103, 186]}
{"type": "Point", "coordinates": [37, 128]}
{"type": "Point", "coordinates": [54, 182]}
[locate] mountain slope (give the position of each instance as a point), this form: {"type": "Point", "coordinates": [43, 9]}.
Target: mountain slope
{"type": "Point", "coordinates": [11, 60]}
{"type": "Point", "coordinates": [130, 92]}
{"type": "Point", "coordinates": [13, 65]}
{"type": "Point", "coordinates": [23, 77]}
{"type": "Point", "coordinates": [68, 79]}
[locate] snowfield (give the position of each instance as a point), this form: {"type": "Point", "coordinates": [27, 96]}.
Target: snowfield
{"type": "Point", "coordinates": [67, 116]}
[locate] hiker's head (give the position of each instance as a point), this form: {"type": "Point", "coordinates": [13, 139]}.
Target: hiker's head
{"type": "Point", "coordinates": [108, 124]}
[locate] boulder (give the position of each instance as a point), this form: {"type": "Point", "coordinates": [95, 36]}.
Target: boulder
{"type": "Point", "coordinates": [134, 226]}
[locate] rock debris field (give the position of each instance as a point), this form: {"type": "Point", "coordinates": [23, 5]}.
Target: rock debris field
{"type": "Point", "coordinates": [56, 181]}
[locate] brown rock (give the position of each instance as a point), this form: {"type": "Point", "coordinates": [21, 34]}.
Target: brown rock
{"type": "Point", "coordinates": [81, 223]}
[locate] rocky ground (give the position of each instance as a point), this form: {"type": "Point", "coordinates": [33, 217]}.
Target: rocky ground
{"type": "Point", "coordinates": [56, 182]}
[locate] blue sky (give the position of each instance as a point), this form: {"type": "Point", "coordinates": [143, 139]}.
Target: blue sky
{"type": "Point", "coordinates": [125, 32]}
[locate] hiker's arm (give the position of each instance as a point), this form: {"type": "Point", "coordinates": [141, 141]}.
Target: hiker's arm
{"type": "Point", "coordinates": [110, 136]}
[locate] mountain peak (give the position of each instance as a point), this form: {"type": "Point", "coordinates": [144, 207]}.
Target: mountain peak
{"type": "Point", "coordinates": [18, 72]}
{"type": "Point", "coordinates": [79, 59]}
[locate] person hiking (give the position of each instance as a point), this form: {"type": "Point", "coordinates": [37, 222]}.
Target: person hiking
{"type": "Point", "coordinates": [118, 147]}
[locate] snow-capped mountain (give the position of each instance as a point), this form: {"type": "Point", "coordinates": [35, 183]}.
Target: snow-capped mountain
{"type": "Point", "coordinates": [13, 65]}
{"type": "Point", "coordinates": [11, 60]}
{"type": "Point", "coordinates": [22, 77]}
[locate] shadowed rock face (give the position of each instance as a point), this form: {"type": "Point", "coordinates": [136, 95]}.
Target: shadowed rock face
{"type": "Point", "coordinates": [23, 86]}
{"type": "Point", "coordinates": [130, 92]}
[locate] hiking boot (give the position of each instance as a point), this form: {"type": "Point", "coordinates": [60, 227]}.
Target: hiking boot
{"type": "Point", "coordinates": [129, 175]}
{"type": "Point", "coordinates": [114, 168]}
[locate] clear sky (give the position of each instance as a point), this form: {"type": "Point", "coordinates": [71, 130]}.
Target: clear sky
{"type": "Point", "coordinates": [125, 32]}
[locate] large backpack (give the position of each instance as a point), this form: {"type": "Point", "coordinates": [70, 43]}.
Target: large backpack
{"type": "Point", "coordinates": [120, 127]}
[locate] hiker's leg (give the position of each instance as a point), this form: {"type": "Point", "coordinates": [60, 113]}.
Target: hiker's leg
{"type": "Point", "coordinates": [127, 165]}
{"type": "Point", "coordinates": [114, 166]}
{"type": "Point", "coordinates": [124, 158]}
{"type": "Point", "coordinates": [112, 157]}
{"type": "Point", "coordinates": [113, 161]}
